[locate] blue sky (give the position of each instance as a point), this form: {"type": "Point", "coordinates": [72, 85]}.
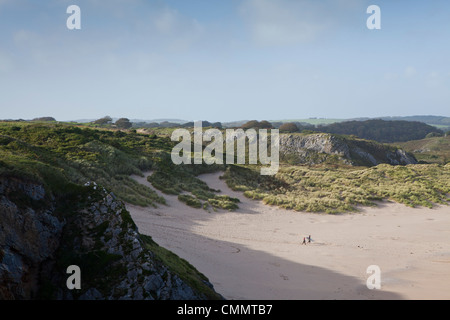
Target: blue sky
{"type": "Point", "coordinates": [224, 60]}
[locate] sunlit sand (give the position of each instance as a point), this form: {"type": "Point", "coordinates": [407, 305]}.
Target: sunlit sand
{"type": "Point", "coordinates": [256, 252]}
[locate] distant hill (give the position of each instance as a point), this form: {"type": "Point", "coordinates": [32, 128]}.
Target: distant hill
{"type": "Point", "coordinates": [313, 121]}
{"type": "Point", "coordinates": [44, 119]}
{"type": "Point", "coordinates": [232, 124]}
{"type": "Point", "coordinates": [436, 121]}
{"type": "Point", "coordinates": [429, 150]}
{"type": "Point", "coordinates": [440, 122]}
{"type": "Point", "coordinates": [179, 121]}
{"type": "Point", "coordinates": [432, 120]}
{"type": "Point", "coordinates": [382, 130]}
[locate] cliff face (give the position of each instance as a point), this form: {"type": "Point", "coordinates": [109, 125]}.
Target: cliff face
{"type": "Point", "coordinates": [29, 236]}
{"type": "Point", "coordinates": [39, 241]}
{"type": "Point", "coordinates": [326, 148]}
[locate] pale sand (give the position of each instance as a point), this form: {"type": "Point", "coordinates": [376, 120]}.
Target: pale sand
{"type": "Point", "coordinates": [256, 252]}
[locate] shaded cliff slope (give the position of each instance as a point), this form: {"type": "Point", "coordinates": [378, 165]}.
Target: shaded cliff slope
{"type": "Point", "coordinates": [40, 236]}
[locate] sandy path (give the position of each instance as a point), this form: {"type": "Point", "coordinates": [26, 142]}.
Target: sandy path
{"type": "Point", "coordinates": [256, 252]}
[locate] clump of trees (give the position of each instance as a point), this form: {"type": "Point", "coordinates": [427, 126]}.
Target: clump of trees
{"type": "Point", "coordinates": [255, 124]}
{"type": "Point", "coordinates": [288, 127]}
{"type": "Point", "coordinates": [123, 123]}
{"type": "Point", "coordinates": [205, 124]}
{"type": "Point", "coordinates": [103, 121]}
{"type": "Point", "coordinates": [44, 119]}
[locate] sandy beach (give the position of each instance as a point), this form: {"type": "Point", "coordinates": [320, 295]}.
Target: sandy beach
{"type": "Point", "coordinates": [256, 252]}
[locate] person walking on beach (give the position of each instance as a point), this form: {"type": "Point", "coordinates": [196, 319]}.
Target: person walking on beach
{"type": "Point", "coordinates": [304, 241]}
{"type": "Point", "coordinates": [309, 239]}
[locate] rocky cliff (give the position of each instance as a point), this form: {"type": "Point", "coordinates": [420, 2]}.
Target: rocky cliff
{"type": "Point", "coordinates": [29, 236]}
{"type": "Point", "coordinates": [327, 148]}
{"type": "Point", "coordinates": [40, 238]}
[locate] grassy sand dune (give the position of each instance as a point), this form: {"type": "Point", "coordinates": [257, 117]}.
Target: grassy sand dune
{"type": "Point", "coordinates": [334, 189]}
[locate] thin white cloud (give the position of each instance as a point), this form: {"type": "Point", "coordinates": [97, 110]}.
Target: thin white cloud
{"type": "Point", "coordinates": [166, 21]}
{"type": "Point", "coordinates": [391, 76]}
{"type": "Point", "coordinates": [174, 29]}
{"type": "Point", "coordinates": [281, 22]}
{"type": "Point", "coordinates": [410, 71]}
{"type": "Point", "coordinates": [434, 79]}
{"type": "Point", "coordinates": [136, 44]}
{"type": "Point", "coordinates": [286, 22]}
{"type": "Point", "coordinates": [6, 63]}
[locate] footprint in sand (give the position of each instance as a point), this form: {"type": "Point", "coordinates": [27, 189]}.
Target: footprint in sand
{"type": "Point", "coordinates": [236, 248]}
{"type": "Point", "coordinates": [284, 277]}
{"type": "Point", "coordinates": [275, 264]}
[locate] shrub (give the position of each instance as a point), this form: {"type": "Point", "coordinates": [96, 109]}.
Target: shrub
{"type": "Point", "coordinates": [190, 200]}
{"type": "Point", "coordinates": [257, 125]}
{"type": "Point", "coordinates": [288, 127]}
{"type": "Point", "coordinates": [103, 121]}
{"type": "Point", "coordinates": [433, 134]}
{"type": "Point", "coordinates": [44, 119]}
{"type": "Point", "coordinates": [123, 123]}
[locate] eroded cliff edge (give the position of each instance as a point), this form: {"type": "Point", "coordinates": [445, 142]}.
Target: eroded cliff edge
{"type": "Point", "coordinates": [320, 148]}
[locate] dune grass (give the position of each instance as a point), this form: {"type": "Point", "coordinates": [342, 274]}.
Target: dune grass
{"type": "Point", "coordinates": [181, 179]}
{"type": "Point", "coordinates": [340, 189]}
{"type": "Point", "coordinates": [60, 155]}
{"type": "Point", "coordinates": [64, 156]}
{"type": "Point", "coordinates": [430, 150]}
{"type": "Point", "coordinates": [181, 267]}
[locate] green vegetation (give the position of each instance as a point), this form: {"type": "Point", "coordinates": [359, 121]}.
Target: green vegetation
{"type": "Point", "coordinates": [205, 124]}
{"type": "Point", "coordinates": [429, 150]}
{"type": "Point", "coordinates": [254, 124]}
{"type": "Point", "coordinates": [62, 156]}
{"type": "Point", "coordinates": [288, 127]}
{"type": "Point", "coordinates": [123, 123]}
{"type": "Point", "coordinates": [339, 189]}
{"type": "Point", "coordinates": [44, 119]}
{"type": "Point", "coordinates": [381, 130]}
{"type": "Point", "coordinates": [436, 121]}
{"type": "Point", "coordinates": [103, 121]}
{"type": "Point", "coordinates": [178, 179]}
{"type": "Point", "coordinates": [314, 121]}
{"type": "Point", "coordinates": [190, 200]}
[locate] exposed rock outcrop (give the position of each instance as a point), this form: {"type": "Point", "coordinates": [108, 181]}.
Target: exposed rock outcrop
{"type": "Point", "coordinates": [327, 148]}
{"type": "Point", "coordinates": [29, 235]}
{"type": "Point", "coordinates": [38, 243]}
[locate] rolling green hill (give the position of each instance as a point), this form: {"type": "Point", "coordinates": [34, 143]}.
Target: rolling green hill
{"type": "Point", "coordinates": [382, 130]}
{"type": "Point", "coordinates": [439, 122]}
{"type": "Point", "coordinates": [431, 150]}
{"type": "Point", "coordinates": [64, 156]}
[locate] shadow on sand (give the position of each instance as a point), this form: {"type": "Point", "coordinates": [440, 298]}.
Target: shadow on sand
{"type": "Point", "coordinates": [240, 272]}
